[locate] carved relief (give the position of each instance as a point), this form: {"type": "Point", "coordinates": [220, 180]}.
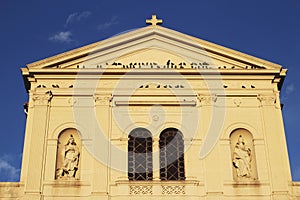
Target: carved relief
{"type": "Point", "coordinates": [243, 159]}
{"type": "Point", "coordinates": [68, 153]}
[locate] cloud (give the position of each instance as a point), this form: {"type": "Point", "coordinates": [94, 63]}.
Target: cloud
{"type": "Point", "coordinates": [290, 89]}
{"type": "Point", "coordinates": [106, 25]}
{"type": "Point", "coordinates": [76, 17]}
{"type": "Point", "coordinates": [62, 37]}
{"type": "Point", "coordinates": [8, 172]}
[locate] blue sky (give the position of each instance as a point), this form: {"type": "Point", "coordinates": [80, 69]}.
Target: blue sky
{"type": "Point", "coordinates": [33, 30]}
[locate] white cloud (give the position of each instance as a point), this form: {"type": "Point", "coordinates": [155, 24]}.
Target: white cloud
{"type": "Point", "coordinates": [71, 18]}
{"type": "Point", "coordinates": [290, 89]}
{"type": "Point", "coordinates": [75, 17]}
{"type": "Point", "coordinates": [106, 25]}
{"type": "Point", "coordinates": [8, 172]}
{"type": "Point", "coordinates": [62, 37]}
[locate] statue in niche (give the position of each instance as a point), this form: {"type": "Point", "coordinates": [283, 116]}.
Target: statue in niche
{"type": "Point", "coordinates": [242, 158]}
{"type": "Point", "coordinates": [70, 160]}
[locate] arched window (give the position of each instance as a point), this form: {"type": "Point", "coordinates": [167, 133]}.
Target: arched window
{"type": "Point", "coordinates": [243, 155]}
{"type": "Point", "coordinates": [140, 155]}
{"type": "Point", "coordinates": [171, 155]}
{"type": "Point", "coordinates": [68, 154]}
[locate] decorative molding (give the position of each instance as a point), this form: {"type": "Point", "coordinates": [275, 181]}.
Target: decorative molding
{"type": "Point", "coordinates": [102, 100]}
{"type": "Point", "coordinates": [155, 118]}
{"type": "Point", "coordinates": [267, 100]}
{"type": "Point", "coordinates": [207, 100]}
{"type": "Point", "coordinates": [173, 189]}
{"type": "Point", "coordinates": [42, 99]}
{"type": "Point", "coordinates": [140, 190]}
{"type": "Point", "coordinates": [72, 101]}
{"type": "Point", "coordinates": [237, 102]}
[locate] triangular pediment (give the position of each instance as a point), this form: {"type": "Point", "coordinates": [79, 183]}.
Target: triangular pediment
{"type": "Point", "coordinates": [154, 47]}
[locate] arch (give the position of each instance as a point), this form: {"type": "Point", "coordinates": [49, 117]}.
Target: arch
{"type": "Point", "coordinates": [135, 125]}
{"type": "Point", "coordinates": [230, 129]}
{"type": "Point", "coordinates": [140, 155]}
{"type": "Point", "coordinates": [64, 126]}
{"type": "Point", "coordinates": [243, 155]}
{"type": "Point", "coordinates": [68, 153]}
{"type": "Point", "coordinates": [171, 147]}
{"type": "Point", "coordinates": [175, 125]}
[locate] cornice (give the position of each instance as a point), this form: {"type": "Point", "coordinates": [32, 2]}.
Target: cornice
{"type": "Point", "coordinates": [153, 31]}
{"type": "Point", "coordinates": [84, 50]}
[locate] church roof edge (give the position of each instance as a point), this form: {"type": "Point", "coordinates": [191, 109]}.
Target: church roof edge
{"type": "Point", "coordinates": [144, 32]}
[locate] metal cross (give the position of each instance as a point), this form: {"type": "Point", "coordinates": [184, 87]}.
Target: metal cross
{"type": "Point", "coordinates": [154, 21]}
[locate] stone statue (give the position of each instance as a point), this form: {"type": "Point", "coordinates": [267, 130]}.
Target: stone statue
{"type": "Point", "coordinates": [71, 159]}
{"type": "Point", "coordinates": [242, 158]}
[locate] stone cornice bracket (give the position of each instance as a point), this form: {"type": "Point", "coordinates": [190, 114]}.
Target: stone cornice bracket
{"type": "Point", "coordinates": [269, 100]}
{"type": "Point", "coordinates": [42, 99]}
{"type": "Point", "coordinates": [103, 100]}
{"type": "Point", "coordinates": [207, 100]}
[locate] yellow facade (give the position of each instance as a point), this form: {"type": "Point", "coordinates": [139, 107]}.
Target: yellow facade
{"type": "Point", "coordinates": [153, 114]}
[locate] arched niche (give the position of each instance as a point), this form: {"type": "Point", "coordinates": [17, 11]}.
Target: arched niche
{"type": "Point", "coordinates": [243, 155]}
{"type": "Point", "coordinates": [68, 155]}
{"type": "Point", "coordinates": [68, 125]}
{"type": "Point", "coordinates": [229, 130]}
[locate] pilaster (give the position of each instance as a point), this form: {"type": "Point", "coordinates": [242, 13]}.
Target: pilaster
{"type": "Point", "coordinates": [39, 106]}
{"type": "Point", "coordinates": [101, 169]}
{"type": "Point", "coordinates": [279, 168]}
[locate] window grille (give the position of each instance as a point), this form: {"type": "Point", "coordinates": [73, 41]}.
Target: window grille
{"type": "Point", "coordinates": [140, 155]}
{"type": "Point", "coordinates": [171, 147]}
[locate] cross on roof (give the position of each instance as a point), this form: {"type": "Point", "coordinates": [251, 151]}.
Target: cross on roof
{"type": "Point", "coordinates": [154, 21]}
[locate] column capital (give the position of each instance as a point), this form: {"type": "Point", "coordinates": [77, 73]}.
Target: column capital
{"type": "Point", "coordinates": [207, 100]}
{"type": "Point", "coordinates": [267, 100]}
{"type": "Point", "coordinates": [102, 99]}
{"type": "Point", "coordinates": [42, 99]}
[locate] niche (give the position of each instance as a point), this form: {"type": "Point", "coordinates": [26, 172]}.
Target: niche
{"type": "Point", "coordinates": [243, 155]}
{"type": "Point", "coordinates": [68, 155]}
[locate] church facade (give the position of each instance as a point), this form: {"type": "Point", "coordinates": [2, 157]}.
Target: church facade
{"type": "Point", "coordinates": [153, 114]}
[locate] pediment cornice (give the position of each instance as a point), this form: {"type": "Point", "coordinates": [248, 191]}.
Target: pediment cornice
{"type": "Point", "coordinates": [162, 38]}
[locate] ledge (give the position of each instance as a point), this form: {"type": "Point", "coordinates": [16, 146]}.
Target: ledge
{"type": "Point", "coordinates": [246, 183]}
{"type": "Point", "coordinates": [149, 103]}
{"type": "Point", "coordinates": [11, 184]}
{"type": "Point", "coordinates": [155, 182]}
{"type": "Point", "coordinates": [66, 183]}
{"type": "Point", "coordinates": [295, 184]}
